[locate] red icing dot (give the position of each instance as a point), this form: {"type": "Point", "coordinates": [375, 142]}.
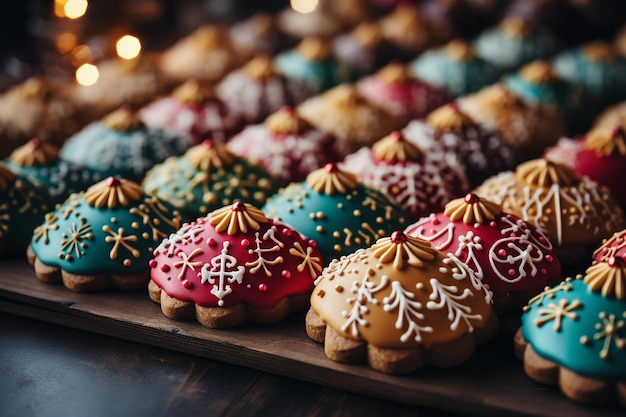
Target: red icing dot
{"type": "Point", "coordinates": [435, 221]}
{"type": "Point", "coordinates": [492, 224]}
{"type": "Point", "coordinates": [512, 272]}
{"type": "Point", "coordinates": [187, 284]}
{"type": "Point", "coordinates": [471, 198]}
{"type": "Point", "coordinates": [502, 252]}
{"type": "Point", "coordinates": [153, 263]}
{"type": "Point", "coordinates": [396, 135]}
{"type": "Point", "coordinates": [208, 143]}
{"type": "Point", "coordinates": [288, 110]}
{"type": "Point", "coordinates": [398, 237]}
{"type": "Point", "coordinates": [615, 261]}
{"type": "Point", "coordinates": [211, 242]}
{"type": "Point", "coordinates": [312, 243]}
{"type": "Point", "coordinates": [543, 271]}
{"type": "Point", "coordinates": [245, 243]}
{"type": "Point", "coordinates": [513, 234]}
{"type": "Point", "coordinates": [286, 274]}
{"type": "Point", "coordinates": [330, 167]}
{"type": "Point", "coordinates": [262, 287]}
{"type": "Point", "coordinates": [238, 206]}
{"type": "Point", "coordinates": [165, 268]}
{"type": "Point", "coordinates": [616, 131]}
{"type": "Point", "coordinates": [549, 258]}
{"type": "Point", "coordinates": [542, 239]}
{"type": "Point", "coordinates": [35, 143]}
{"type": "Point", "coordinates": [287, 231]}
{"type": "Point", "coordinates": [477, 225]}
{"type": "Point", "coordinates": [112, 182]}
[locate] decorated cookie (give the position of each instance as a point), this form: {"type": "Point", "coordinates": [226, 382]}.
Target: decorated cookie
{"type": "Point", "coordinates": [396, 90]}
{"type": "Point", "coordinates": [258, 34]}
{"type": "Point", "coordinates": [258, 89]}
{"type": "Point", "coordinates": [450, 132]}
{"type": "Point", "coordinates": [420, 182]}
{"type": "Point", "coordinates": [527, 127]}
{"type": "Point", "coordinates": [599, 156]}
{"type": "Point", "coordinates": [231, 266]}
{"type": "Point", "coordinates": [597, 67]}
{"type": "Point", "coordinates": [36, 108]}
{"type": "Point", "coordinates": [455, 67]}
{"type": "Point", "coordinates": [612, 116]}
{"type": "Point", "coordinates": [349, 116]}
{"type": "Point", "coordinates": [23, 204]}
{"type": "Point", "coordinates": [363, 49]}
{"type": "Point", "coordinates": [101, 238]}
{"type": "Point", "coordinates": [336, 210]}
{"type": "Point", "coordinates": [206, 177]}
{"type": "Point", "coordinates": [574, 334]}
{"type": "Point", "coordinates": [40, 162]}
{"type": "Point", "coordinates": [122, 145]}
{"type": "Point", "coordinates": [509, 255]}
{"type": "Point", "coordinates": [400, 305]}
{"type": "Point", "coordinates": [539, 84]}
{"type": "Point", "coordinates": [206, 55]}
{"type": "Point", "coordinates": [574, 212]}
{"type": "Point", "coordinates": [318, 23]}
{"type": "Point", "coordinates": [515, 42]}
{"type": "Point", "coordinates": [312, 64]}
{"type": "Point", "coordinates": [193, 111]}
{"type": "Point", "coordinates": [287, 146]}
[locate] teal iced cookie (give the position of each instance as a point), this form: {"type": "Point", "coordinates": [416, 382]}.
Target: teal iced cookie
{"type": "Point", "coordinates": [338, 212]}
{"type": "Point", "coordinates": [207, 177]}
{"type": "Point", "coordinates": [515, 42]}
{"type": "Point", "coordinates": [312, 64]}
{"type": "Point", "coordinates": [597, 67]}
{"type": "Point", "coordinates": [574, 334]}
{"type": "Point", "coordinates": [455, 67]}
{"type": "Point", "coordinates": [103, 237]}
{"type": "Point", "coordinates": [122, 145]}
{"type": "Point", "coordinates": [40, 162]}
{"type": "Point", "coordinates": [23, 205]}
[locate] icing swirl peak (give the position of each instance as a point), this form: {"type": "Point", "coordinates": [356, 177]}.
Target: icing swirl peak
{"type": "Point", "coordinates": [209, 37]}
{"type": "Point", "coordinates": [346, 96]}
{"type": "Point", "coordinates": [460, 50]}
{"type": "Point", "coordinates": [395, 148]}
{"type": "Point", "coordinates": [472, 209]}
{"type": "Point", "coordinates": [367, 34]}
{"type": "Point", "coordinates": [608, 278]}
{"type": "Point", "coordinates": [208, 154]}
{"type": "Point", "coordinates": [192, 92]}
{"type": "Point", "coordinates": [113, 192]}
{"type": "Point", "coordinates": [539, 72]}
{"type": "Point", "coordinates": [123, 120]}
{"type": "Point", "coordinates": [544, 173]}
{"type": "Point", "coordinates": [238, 217]}
{"type": "Point", "coordinates": [7, 177]}
{"type": "Point", "coordinates": [314, 49]}
{"type": "Point", "coordinates": [261, 67]}
{"type": "Point", "coordinates": [449, 117]}
{"type": "Point", "coordinates": [400, 248]}
{"type": "Point", "coordinates": [286, 121]}
{"type": "Point", "coordinates": [607, 141]}
{"type": "Point", "coordinates": [395, 73]}
{"type": "Point", "coordinates": [331, 180]}
{"type": "Point", "coordinates": [35, 153]}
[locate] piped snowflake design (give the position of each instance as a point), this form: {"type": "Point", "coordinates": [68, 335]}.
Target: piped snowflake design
{"type": "Point", "coordinates": [450, 298]}
{"type": "Point", "coordinates": [608, 332]}
{"type": "Point", "coordinates": [118, 239]}
{"type": "Point", "coordinates": [313, 263]}
{"type": "Point", "coordinates": [73, 242]}
{"type": "Point", "coordinates": [187, 261]}
{"type": "Point", "coordinates": [557, 312]}
{"type": "Point", "coordinates": [408, 309]}
{"type": "Point", "coordinates": [49, 224]}
{"type": "Point", "coordinates": [550, 292]}
{"type": "Point", "coordinates": [261, 261]}
{"type": "Point", "coordinates": [364, 291]}
{"type": "Point", "coordinates": [222, 271]}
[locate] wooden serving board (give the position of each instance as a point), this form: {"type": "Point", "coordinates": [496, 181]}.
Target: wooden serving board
{"type": "Point", "coordinates": [492, 383]}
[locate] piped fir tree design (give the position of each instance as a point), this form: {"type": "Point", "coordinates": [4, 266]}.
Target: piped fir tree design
{"type": "Point", "coordinates": [408, 309]}
{"type": "Point", "coordinates": [466, 252]}
{"type": "Point", "coordinates": [450, 298]}
{"type": "Point", "coordinates": [364, 291]}
{"type": "Point", "coordinates": [261, 262]}
{"type": "Point", "coordinates": [222, 271]}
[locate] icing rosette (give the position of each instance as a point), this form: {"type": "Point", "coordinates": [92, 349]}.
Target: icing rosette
{"type": "Point", "coordinates": [420, 182]}
{"type": "Point", "coordinates": [286, 145]}
{"type": "Point", "coordinates": [121, 144]}
{"type": "Point", "coordinates": [23, 205]}
{"type": "Point", "coordinates": [194, 111]}
{"type": "Point", "coordinates": [336, 210]}
{"type": "Point", "coordinates": [206, 177]}
{"type": "Point", "coordinates": [574, 334]}
{"type": "Point", "coordinates": [41, 163]}
{"type": "Point", "coordinates": [349, 116]}
{"type": "Point", "coordinates": [396, 90]}
{"type": "Point", "coordinates": [403, 296]}
{"type": "Point", "coordinates": [509, 255]}
{"type": "Point", "coordinates": [455, 67]}
{"type": "Point", "coordinates": [452, 134]}
{"type": "Point", "coordinates": [259, 89]}
{"type": "Point", "coordinates": [574, 212]}
{"type": "Point", "coordinates": [234, 265]}
{"type": "Point", "coordinates": [597, 67]}
{"type": "Point", "coordinates": [102, 237]}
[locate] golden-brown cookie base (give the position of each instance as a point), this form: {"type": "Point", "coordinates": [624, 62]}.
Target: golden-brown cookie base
{"type": "Point", "coordinates": [397, 361]}
{"type": "Point", "coordinates": [225, 317]}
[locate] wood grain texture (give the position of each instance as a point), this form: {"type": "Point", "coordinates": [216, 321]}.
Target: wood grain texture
{"type": "Point", "coordinates": [492, 383]}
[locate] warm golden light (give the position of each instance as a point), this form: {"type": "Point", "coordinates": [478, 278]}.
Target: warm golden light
{"type": "Point", "coordinates": [87, 74]}
{"type": "Point", "coordinates": [81, 55]}
{"type": "Point", "coordinates": [128, 47]}
{"type": "Point", "coordinates": [66, 42]}
{"type": "Point", "coordinates": [74, 9]}
{"type": "Point", "coordinates": [304, 6]}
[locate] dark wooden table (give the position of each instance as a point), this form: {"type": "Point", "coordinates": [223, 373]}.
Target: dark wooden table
{"type": "Point", "coordinates": [49, 370]}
